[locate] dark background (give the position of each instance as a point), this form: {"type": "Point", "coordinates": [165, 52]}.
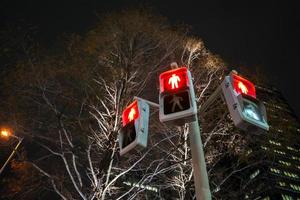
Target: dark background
{"type": "Point", "coordinates": [251, 34]}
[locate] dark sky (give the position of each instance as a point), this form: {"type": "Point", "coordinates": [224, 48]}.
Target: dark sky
{"type": "Point", "coordinates": [251, 34]}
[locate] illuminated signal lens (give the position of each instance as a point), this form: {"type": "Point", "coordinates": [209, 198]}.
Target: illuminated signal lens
{"type": "Point", "coordinates": [130, 113]}
{"type": "Point", "coordinates": [173, 80]}
{"type": "Point", "coordinates": [251, 110]}
{"type": "Point", "coordinates": [243, 86]}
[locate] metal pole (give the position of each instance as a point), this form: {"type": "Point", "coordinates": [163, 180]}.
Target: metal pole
{"type": "Point", "coordinates": [148, 102]}
{"type": "Point", "coordinates": [212, 98]}
{"type": "Point", "coordinates": [11, 155]}
{"type": "Point", "coordinates": [199, 165]}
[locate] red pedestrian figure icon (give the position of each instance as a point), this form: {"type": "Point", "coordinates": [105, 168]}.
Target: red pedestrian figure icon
{"type": "Point", "coordinates": [243, 88]}
{"type": "Point", "coordinates": [173, 81]}
{"type": "Point", "coordinates": [131, 114]}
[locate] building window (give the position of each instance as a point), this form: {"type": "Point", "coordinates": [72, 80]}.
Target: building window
{"type": "Point", "coordinates": [274, 170]}
{"type": "Point", "coordinates": [289, 174]}
{"type": "Point", "coordinates": [295, 158]}
{"type": "Point", "coordinates": [275, 143]}
{"type": "Point", "coordinates": [264, 148]}
{"type": "Point", "coordinates": [253, 175]}
{"type": "Point", "coordinates": [280, 131]}
{"type": "Point", "coordinates": [137, 185]}
{"type": "Point", "coordinates": [248, 152]}
{"type": "Point", "coordinates": [284, 162]}
{"type": "Point", "coordinates": [292, 149]}
{"type": "Point", "coordinates": [295, 187]}
{"type": "Point", "coordinates": [282, 184]}
{"type": "Point", "coordinates": [286, 197]}
{"type": "Point", "coordinates": [279, 152]}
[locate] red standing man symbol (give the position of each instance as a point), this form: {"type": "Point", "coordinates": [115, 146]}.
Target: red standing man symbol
{"type": "Point", "coordinates": [131, 114]}
{"type": "Point", "coordinates": [243, 88]}
{"type": "Point", "coordinates": [173, 81]}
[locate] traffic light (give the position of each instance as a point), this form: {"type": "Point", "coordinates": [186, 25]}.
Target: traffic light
{"type": "Point", "coordinates": [247, 112]}
{"type": "Point", "coordinates": [177, 98]}
{"type": "Point", "coordinates": [134, 132]}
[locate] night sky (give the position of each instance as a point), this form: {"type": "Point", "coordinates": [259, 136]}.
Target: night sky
{"type": "Point", "coordinates": [248, 34]}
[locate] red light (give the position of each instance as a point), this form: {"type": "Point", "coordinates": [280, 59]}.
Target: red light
{"type": "Point", "coordinates": [173, 80]}
{"type": "Point", "coordinates": [130, 113]}
{"type": "Point", "coordinates": [243, 86]}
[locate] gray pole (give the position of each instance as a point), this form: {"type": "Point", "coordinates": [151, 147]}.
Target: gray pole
{"type": "Point", "coordinates": [198, 160]}
{"type": "Point", "coordinates": [11, 155]}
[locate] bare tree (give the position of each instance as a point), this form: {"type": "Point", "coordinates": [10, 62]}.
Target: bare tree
{"type": "Point", "coordinates": [72, 105]}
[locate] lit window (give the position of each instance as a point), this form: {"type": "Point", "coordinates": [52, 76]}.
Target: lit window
{"type": "Point", "coordinates": [275, 143]}
{"type": "Point", "coordinates": [264, 148]}
{"type": "Point", "coordinates": [286, 197]}
{"type": "Point", "coordinates": [137, 185]}
{"type": "Point", "coordinates": [252, 176]}
{"type": "Point", "coordinates": [295, 158]}
{"type": "Point", "coordinates": [292, 149]}
{"type": "Point", "coordinates": [277, 171]}
{"type": "Point", "coordinates": [295, 187]}
{"type": "Point", "coordinates": [276, 106]}
{"type": "Point", "coordinates": [279, 152]}
{"type": "Point", "coordinates": [289, 174]}
{"type": "Point", "coordinates": [248, 152]}
{"type": "Point", "coordinates": [284, 163]}
{"type": "Point", "coordinates": [282, 184]}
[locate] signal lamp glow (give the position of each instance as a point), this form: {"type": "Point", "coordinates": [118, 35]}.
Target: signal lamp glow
{"type": "Point", "coordinates": [5, 133]}
{"type": "Point", "coordinates": [243, 86]}
{"type": "Point", "coordinates": [173, 80]}
{"type": "Point", "coordinates": [130, 113]}
{"type": "Point", "coordinates": [252, 111]}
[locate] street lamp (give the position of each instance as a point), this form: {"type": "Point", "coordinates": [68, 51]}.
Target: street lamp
{"type": "Point", "coordinates": [6, 133]}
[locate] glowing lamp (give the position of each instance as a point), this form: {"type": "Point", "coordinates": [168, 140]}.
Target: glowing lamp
{"type": "Point", "coordinates": [251, 110]}
{"type": "Point", "coordinates": [243, 86]}
{"type": "Point", "coordinates": [131, 113]}
{"type": "Point", "coordinates": [173, 80]}
{"type": "Point", "coordinates": [5, 132]}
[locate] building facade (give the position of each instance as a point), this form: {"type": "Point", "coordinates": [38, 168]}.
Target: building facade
{"type": "Point", "coordinates": [275, 173]}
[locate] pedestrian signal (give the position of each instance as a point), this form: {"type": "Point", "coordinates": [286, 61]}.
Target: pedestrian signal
{"type": "Point", "coordinates": [134, 132]}
{"type": "Point", "coordinates": [243, 86]}
{"type": "Point", "coordinates": [247, 112]}
{"type": "Point", "coordinates": [130, 113]}
{"type": "Point", "coordinates": [177, 97]}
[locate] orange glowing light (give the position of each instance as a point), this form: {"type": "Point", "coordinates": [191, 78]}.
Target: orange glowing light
{"type": "Point", "coordinates": [5, 132]}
